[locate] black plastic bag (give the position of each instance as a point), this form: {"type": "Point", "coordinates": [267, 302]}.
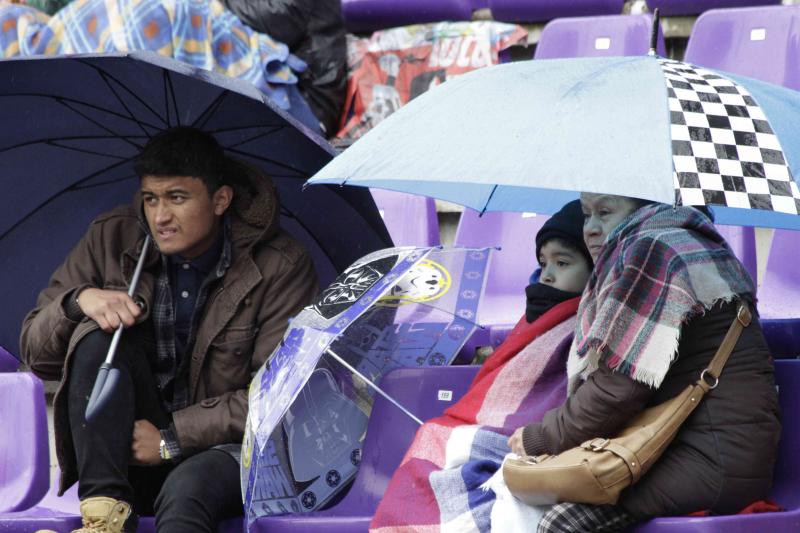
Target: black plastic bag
{"type": "Point", "coordinates": [314, 31]}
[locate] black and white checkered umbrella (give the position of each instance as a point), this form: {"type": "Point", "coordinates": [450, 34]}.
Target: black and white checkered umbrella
{"type": "Point", "coordinates": [724, 150]}
{"type": "Point", "coordinates": [529, 136]}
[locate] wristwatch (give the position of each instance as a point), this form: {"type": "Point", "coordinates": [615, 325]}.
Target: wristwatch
{"type": "Point", "coordinates": [163, 451]}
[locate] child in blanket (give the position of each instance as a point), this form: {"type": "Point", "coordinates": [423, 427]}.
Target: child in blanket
{"type": "Point", "coordinates": [439, 482]}
{"type": "Point", "coordinates": [565, 265]}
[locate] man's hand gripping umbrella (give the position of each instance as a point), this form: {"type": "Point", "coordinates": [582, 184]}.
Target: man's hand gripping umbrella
{"type": "Point", "coordinates": [107, 376]}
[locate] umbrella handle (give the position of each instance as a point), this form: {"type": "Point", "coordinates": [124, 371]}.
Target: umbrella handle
{"type": "Point", "coordinates": [104, 385]}
{"type": "Point", "coordinates": [107, 377]}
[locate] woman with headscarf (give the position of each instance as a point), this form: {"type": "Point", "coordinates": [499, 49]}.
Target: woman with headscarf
{"type": "Point", "coordinates": [664, 291]}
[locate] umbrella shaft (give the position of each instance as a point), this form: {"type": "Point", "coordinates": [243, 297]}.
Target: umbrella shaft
{"type": "Point", "coordinates": [139, 265]}
{"type": "Point", "coordinates": [373, 386]}
{"type": "Point", "coordinates": [112, 348]}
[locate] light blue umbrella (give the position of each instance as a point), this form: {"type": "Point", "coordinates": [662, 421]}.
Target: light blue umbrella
{"type": "Point", "coordinates": [528, 136]}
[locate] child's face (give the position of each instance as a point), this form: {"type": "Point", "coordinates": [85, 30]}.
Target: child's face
{"type": "Point", "coordinates": [562, 267]}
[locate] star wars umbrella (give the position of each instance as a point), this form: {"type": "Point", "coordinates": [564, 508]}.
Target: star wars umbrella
{"type": "Point", "coordinates": [308, 407]}
{"type": "Point", "coordinates": [70, 127]}
{"type": "Point", "coordinates": [528, 136]}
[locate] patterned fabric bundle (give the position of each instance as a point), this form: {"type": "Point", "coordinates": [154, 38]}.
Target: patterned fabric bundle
{"type": "Point", "coordinates": [659, 268]}
{"type": "Point", "coordinates": [396, 65]}
{"type": "Point", "coordinates": [198, 32]}
{"type": "Point", "coordinates": [438, 485]}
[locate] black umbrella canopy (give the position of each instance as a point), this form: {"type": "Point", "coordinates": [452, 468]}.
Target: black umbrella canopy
{"type": "Point", "coordinates": [73, 124]}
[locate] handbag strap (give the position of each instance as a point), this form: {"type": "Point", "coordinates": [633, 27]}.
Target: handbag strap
{"type": "Point", "coordinates": [714, 368]}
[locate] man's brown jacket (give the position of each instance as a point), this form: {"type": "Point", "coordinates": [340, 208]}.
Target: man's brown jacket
{"type": "Point", "coordinates": [271, 277]}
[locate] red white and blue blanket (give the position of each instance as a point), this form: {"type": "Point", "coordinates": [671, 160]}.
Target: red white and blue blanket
{"type": "Point", "coordinates": [438, 484]}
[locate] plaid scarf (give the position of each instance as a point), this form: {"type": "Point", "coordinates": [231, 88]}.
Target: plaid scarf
{"type": "Point", "coordinates": [659, 268]}
{"type": "Point", "coordinates": [171, 372]}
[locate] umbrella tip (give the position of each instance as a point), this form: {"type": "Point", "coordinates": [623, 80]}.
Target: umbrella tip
{"type": "Point", "coordinates": [654, 33]}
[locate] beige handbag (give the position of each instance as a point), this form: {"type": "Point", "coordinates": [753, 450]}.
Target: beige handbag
{"type": "Point", "coordinates": [599, 469]}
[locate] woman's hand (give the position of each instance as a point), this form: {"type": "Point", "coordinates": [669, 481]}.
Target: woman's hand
{"type": "Point", "coordinates": [515, 442]}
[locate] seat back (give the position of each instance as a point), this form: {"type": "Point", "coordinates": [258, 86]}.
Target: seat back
{"type": "Point", "coordinates": [8, 363]}
{"type": "Point", "coordinates": [742, 241]}
{"type": "Point", "coordinates": [613, 35]}
{"type": "Point", "coordinates": [511, 266]}
{"type": "Point", "coordinates": [24, 452]}
{"type": "Point", "coordinates": [543, 10]}
{"type": "Point", "coordinates": [389, 434]}
{"type": "Point", "coordinates": [669, 8]}
{"type": "Point", "coordinates": [362, 16]}
{"type": "Point", "coordinates": [390, 431]}
{"type": "Point", "coordinates": [410, 219]}
{"type": "Point", "coordinates": [759, 42]}
{"type": "Point", "coordinates": [780, 289]}
{"type": "Point", "coordinates": [779, 293]}
{"type": "Point", "coordinates": [61, 514]}
{"type": "Point", "coordinates": [786, 484]}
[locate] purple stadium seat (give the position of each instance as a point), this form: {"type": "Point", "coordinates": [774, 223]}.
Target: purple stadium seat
{"type": "Point", "coordinates": [40, 517]}
{"type": "Point", "coordinates": [389, 434]}
{"type": "Point", "coordinates": [742, 241]}
{"type": "Point", "coordinates": [410, 219]}
{"type": "Point", "coordinates": [669, 8]}
{"type": "Point", "coordinates": [51, 511]}
{"type": "Point", "coordinates": [779, 295]}
{"type": "Point", "coordinates": [613, 35]}
{"type": "Point", "coordinates": [543, 10]}
{"type": "Point", "coordinates": [24, 453]}
{"type": "Point", "coordinates": [510, 268]}
{"type": "Point", "coordinates": [786, 486]}
{"type": "Point", "coordinates": [60, 514]}
{"type": "Point", "coordinates": [8, 363]}
{"type": "Point", "coordinates": [760, 42]}
{"type": "Point", "coordinates": [361, 16]}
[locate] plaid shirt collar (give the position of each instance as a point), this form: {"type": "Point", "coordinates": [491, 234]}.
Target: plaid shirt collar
{"type": "Point", "coordinates": [171, 371]}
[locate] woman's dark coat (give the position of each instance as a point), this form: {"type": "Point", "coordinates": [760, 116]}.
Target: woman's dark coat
{"type": "Point", "coordinates": [722, 459]}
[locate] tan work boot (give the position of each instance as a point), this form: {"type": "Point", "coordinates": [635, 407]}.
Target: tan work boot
{"type": "Point", "coordinates": [106, 515]}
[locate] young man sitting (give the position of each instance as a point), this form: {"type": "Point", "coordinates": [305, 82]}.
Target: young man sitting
{"type": "Point", "coordinates": [213, 301]}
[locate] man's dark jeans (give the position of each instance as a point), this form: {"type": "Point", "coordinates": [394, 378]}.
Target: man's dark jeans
{"type": "Point", "coordinates": [191, 496]}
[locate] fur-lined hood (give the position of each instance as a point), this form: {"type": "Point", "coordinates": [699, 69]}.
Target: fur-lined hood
{"type": "Point", "coordinates": [255, 203]}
